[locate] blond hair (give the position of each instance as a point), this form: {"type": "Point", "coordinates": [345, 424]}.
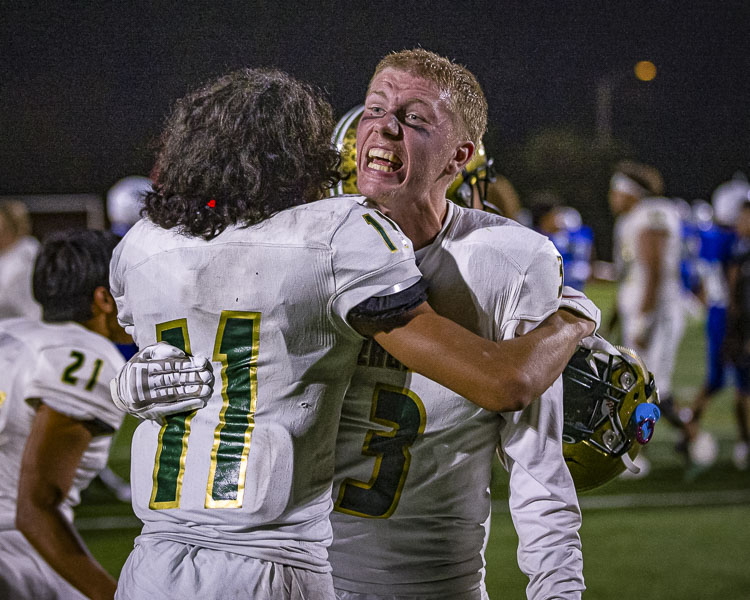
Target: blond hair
{"type": "Point", "coordinates": [464, 94]}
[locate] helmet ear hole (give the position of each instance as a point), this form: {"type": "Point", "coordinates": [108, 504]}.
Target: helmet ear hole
{"type": "Point", "coordinates": [609, 411]}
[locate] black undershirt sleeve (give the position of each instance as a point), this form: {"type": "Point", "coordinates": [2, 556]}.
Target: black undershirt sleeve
{"type": "Point", "coordinates": [383, 313]}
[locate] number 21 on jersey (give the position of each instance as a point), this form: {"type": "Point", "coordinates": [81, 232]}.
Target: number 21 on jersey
{"type": "Point", "coordinates": [236, 348]}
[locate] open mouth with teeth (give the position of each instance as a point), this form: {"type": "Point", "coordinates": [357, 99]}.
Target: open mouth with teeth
{"type": "Point", "coordinates": [383, 160]}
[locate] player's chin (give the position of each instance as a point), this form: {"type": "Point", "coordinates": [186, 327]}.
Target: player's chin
{"type": "Point", "coordinates": [374, 184]}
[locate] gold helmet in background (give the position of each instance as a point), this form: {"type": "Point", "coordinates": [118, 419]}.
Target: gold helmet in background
{"type": "Point", "coordinates": [610, 407]}
{"type": "Point", "coordinates": [476, 175]}
{"type": "Point", "coordinates": [470, 186]}
{"type": "Point", "coordinates": [345, 140]}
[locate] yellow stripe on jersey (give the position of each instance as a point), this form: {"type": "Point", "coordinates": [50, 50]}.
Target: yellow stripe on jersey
{"type": "Point", "coordinates": [169, 465]}
{"type": "Point", "coordinates": [370, 220]}
{"type": "Point", "coordinates": [236, 348]}
{"type": "Point", "coordinates": [177, 426]}
{"type": "Point", "coordinates": [176, 333]}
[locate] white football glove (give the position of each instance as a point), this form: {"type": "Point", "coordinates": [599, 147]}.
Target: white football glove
{"type": "Point", "coordinates": [162, 380]}
{"type": "Point", "coordinates": [577, 302]}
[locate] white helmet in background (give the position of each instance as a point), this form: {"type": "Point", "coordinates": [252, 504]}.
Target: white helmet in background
{"type": "Point", "coordinates": [569, 218]}
{"type": "Point", "coordinates": [125, 201]}
{"type": "Point", "coordinates": [728, 198]}
{"type": "Point", "coordinates": [703, 213]}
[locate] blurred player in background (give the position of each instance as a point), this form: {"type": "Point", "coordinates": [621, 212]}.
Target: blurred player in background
{"type": "Point", "coordinates": [124, 205]}
{"type": "Point", "coordinates": [125, 202]}
{"type": "Point", "coordinates": [737, 342]}
{"type": "Point", "coordinates": [281, 300]}
{"type": "Point", "coordinates": [717, 244]}
{"type": "Point", "coordinates": [57, 420]}
{"type": "Point", "coordinates": [564, 227]}
{"type": "Point", "coordinates": [18, 250]}
{"type": "Point", "coordinates": [647, 253]}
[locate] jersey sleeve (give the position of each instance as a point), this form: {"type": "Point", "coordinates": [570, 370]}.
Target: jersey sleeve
{"type": "Point", "coordinates": [117, 268]}
{"type": "Point", "coordinates": [74, 381]}
{"type": "Point", "coordinates": [543, 501]}
{"type": "Point", "coordinates": [539, 293]}
{"type": "Point", "coordinates": [371, 257]}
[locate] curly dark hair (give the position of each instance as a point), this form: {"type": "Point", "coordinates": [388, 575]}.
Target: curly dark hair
{"type": "Point", "coordinates": [238, 150]}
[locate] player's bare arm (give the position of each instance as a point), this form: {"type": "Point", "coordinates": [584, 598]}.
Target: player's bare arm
{"type": "Point", "coordinates": [652, 247]}
{"type": "Point", "coordinates": [53, 452]}
{"type": "Point", "coordinates": [499, 376]}
{"type": "Point", "coordinates": [652, 244]}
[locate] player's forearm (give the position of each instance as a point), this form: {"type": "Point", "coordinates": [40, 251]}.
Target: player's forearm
{"type": "Point", "coordinates": [543, 503]}
{"type": "Point", "coordinates": [652, 247]}
{"type": "Point", "coordinates": [650, 294]}
{"type": "Point", "coordinates": [498, 376]}
{"type": "Point", "coordinates": [549, 550]}
{"type": "Point", "coordinates": [59, 544]}
{"type": "Point", "coordinates": [544, 352]}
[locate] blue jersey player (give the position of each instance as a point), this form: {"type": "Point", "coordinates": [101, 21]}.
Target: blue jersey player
{"type": "Point", "coordinates": [715, 255]}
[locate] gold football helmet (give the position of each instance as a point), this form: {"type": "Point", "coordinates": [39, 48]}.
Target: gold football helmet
{"type": "Point", "coordinates": [470, 187]}
{"type": "Point", "coordinates": [345, 140]}
{"type": "Point", "coordinates": [476, 175]}
{"type": "Point", "coordinates": [610, 407]}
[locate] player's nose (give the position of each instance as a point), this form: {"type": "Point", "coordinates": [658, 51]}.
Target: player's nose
{"type": "Point", "coordinates": [388, 125]}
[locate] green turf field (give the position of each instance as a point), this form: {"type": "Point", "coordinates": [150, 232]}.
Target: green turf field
{"type": "Point", "coordinates": [672, 535]}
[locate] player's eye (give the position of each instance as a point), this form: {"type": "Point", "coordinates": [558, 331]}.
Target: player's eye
{"type": "Point", "coordinates": [413, 118]}
{"type": "Point", "coordinates": [376, 110]}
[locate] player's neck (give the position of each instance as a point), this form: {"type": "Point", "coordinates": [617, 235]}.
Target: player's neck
{"type": "Point", "coordinates": [420, 221]}
{"type": "Point", "coordinates": [98, 324]}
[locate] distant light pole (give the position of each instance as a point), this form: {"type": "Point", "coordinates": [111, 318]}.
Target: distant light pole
{"type": "Point", "coordinates": [644, 71]}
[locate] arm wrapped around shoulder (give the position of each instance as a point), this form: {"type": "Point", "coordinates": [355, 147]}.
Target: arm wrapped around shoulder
{"type": "Point", "coordinates": [162, 380]}
{"type": "Point", "coordinates": [387, 311]}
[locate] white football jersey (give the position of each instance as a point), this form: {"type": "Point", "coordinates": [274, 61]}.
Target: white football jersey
{"type": "Point", "coordinates": [414, 460]}
{"type": "Point", "coordinates": [654, 214]}
{"type": "Point", "coordinates": [68, 368]}
{"type": "Point", "coordinates": [251, 472]}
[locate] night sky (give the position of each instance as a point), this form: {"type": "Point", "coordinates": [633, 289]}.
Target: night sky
{"type": "Point", "coordinates": [84, 90]}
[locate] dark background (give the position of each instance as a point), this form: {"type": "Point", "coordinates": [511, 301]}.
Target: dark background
{"type": "Point", "coordinates": [84, 90]}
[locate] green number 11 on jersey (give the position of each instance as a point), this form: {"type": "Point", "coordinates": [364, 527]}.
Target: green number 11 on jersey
{"type": "Point", "coordinates": [236, 348]}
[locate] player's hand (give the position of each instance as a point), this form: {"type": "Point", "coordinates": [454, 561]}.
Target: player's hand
{"type": "Point", "coordinates": [577, 302]}
{"type": "Point", "coordinates": [162, 380]}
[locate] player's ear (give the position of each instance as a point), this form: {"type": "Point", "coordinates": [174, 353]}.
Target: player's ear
{"type": "Point", "coordinates": [461, 156]}
{"type": "Point", "coordinates": [103, 302]}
